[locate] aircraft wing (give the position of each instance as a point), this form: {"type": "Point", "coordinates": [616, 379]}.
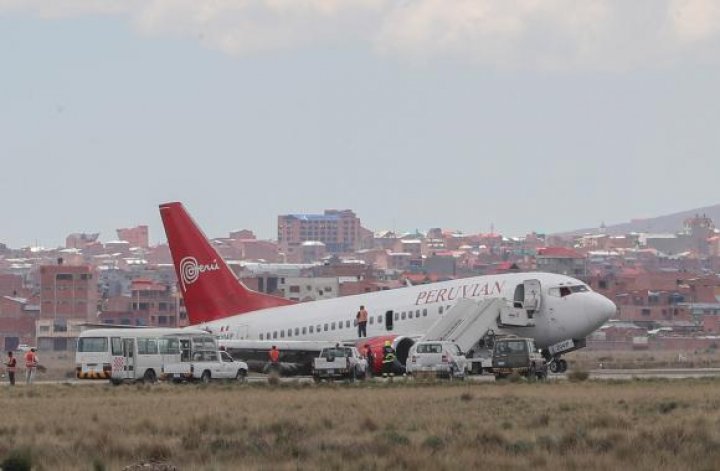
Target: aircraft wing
{"type": "Point", "coordinates": [296, 356]}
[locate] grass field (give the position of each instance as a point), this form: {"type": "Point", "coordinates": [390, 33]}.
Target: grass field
{"type": "Point", "coordinates": [644, 425]}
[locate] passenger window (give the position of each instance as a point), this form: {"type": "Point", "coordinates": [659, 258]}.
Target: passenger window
{"type": "Point", "coordinates": [311, 329]}
{"type": "Point", "coordinates": [410, 314]}
{"type": "Point", "coordinates": [397, 316]}
{"type": "Point", "coordinates": [282, 334]}
{"type": "Point", "coordinates": [340, 325]}
{"type": "Point", "coordinates": [347, 324]}
{"type": "Point", "coordinates": [326, 328]}
{"type": "Point", "coordinates": [332, 326]}
{"type": "Point", "coordinates": [275, 334]}
{"type": "Point", "coordinates": [297, 331]}
{"type": "Point", "coordinates": [304, 330]}
{"type": "Point", "coordinates": [417, 313]}
{"type": "Point", "coordinates": [371, 320]}
{"type": "Point", "coordinates": [318, 328]}
{"type": "Point", "coordinates": [289, 332]}
{"type": "Point", "coordinates": [379, 319]}
{"type": "Point", "coordinates": [440, 310]}
{"type": "Point", "coordinates": [261, 336]}
{"type": "Point", "coordinates": [424, 312]}
{"type": "Point", "coordinates": [402, 316]}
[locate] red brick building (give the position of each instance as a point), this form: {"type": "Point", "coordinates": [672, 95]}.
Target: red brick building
{"type": "Point", "coordinates": [339, 230]}
{"type": "Point", "coordinates": [68, 298]}
{"type": "Point", "coordinates": [137, 236]}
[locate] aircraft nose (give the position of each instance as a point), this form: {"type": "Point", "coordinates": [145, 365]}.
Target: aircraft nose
{"type": "Point", "coordinates": [603, 309]}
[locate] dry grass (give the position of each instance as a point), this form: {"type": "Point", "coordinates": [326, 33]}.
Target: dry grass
{"type": "Point", "coordinates": [645, 425]}
{"type": "Point", "coordinates": [590, 359]}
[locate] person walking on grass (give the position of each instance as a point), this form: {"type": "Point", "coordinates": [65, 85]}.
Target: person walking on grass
{"type": "Point", "coordinates": [31, 363]}
{"type": "Point", "coordinates": [11, 367]}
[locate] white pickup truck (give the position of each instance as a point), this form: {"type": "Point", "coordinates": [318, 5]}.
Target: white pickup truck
{"type": "Point", "coordinates": [205, 366]}
{"type": "Point", "coordinates": [339, 363]}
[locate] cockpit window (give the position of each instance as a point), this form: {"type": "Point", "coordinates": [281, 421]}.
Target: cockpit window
{"type": "Point", "coordinates": [562, 291]}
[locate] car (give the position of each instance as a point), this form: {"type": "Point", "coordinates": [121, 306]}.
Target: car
{"type": "Point", "coordinates": [339, 363]}
{"type": "Point", "coordinates": [516, 355]}
{"type": "Point", "coordinates": [441, 358]}
{"type": "Point", "coordinates": [23, 347]}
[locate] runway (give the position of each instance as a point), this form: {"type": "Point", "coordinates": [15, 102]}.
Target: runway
{"type": "Point", "coordinates": [599, 374]}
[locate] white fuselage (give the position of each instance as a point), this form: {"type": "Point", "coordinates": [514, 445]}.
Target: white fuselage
{"type": "Point", "coordinates": [570, 316]}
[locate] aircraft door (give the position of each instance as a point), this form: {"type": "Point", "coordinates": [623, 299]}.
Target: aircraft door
{"type": "Point", "coordinates": [389, 320]}
{"type": "Point", "coordinates": [129, 356]}
{"type": "Point", "coordinates": [533, 296]}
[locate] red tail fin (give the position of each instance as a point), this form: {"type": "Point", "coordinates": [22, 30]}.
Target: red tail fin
{"type": "Point", "coordinates": [210, 289]}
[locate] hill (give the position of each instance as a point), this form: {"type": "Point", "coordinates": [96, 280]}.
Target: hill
{"type": "Point", "coordinates": [668, 223]}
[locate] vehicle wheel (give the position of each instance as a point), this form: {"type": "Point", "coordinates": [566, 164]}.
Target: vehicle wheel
{"type": "Point", "coordinates": [241, 375]}
{"type": "Point", "coordinates": [316, 379]}
{"type": "Point", "coordinates": [562, 365]}
{"type": "Point", "coordinates": [149, 377]}
{"type": "Point", "coordinates": [531, 373]}
{"type": "Point", "coordinates": [115, 382]}
{"type": "Point", "coordinates": [205, 378]}
{"type": "Point", "coordinates": [542, 375]}
{"type": "Point", "coordinates": [499, 376]}
{"type": "Point", "coordinates": [555, 366]}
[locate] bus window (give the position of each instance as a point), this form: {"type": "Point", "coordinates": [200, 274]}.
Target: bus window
{"type": "Point", "coordinates": [116, 346]}
{"type": "Point", "coordinates": [92, 344]}
{"type": "Point", "coordinates": [184, 350]}
{"type": "Point", "coordinates": [169, 346]}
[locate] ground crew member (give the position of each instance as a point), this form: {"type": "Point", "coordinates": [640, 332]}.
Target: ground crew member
{"type": "Point", "coordinates": [370, 358]}
{"type": "Point", "coordinates": [362, 319]}
{"type": "Point", "coordinates": [274, 354]}
{"type": "Point", "coordinates": [31, 362]}
{"type": "Point", "coordinates": [388, 359]}
{"type": "Point", "coordinates": [11, 365]}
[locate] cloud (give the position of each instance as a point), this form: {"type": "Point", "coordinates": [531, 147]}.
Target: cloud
{"type": "Point", "coordinates": [595, 34]}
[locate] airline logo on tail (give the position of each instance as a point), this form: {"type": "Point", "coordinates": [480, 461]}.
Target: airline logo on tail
{"type": "Point", "coordinates": [190, 270]}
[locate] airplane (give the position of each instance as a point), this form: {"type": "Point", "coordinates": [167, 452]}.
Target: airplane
{"type": "Point", "coordinates": [565, 310]}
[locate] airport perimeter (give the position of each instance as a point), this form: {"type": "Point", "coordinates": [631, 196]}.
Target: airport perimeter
{"type": "Point", "coordinates": [656, 424]}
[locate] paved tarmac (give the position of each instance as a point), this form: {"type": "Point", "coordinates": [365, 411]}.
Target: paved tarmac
{"type": "Point", "coordinates": [599, 374]}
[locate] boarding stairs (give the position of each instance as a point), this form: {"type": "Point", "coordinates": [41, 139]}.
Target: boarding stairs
{"type": "Point", "coordinates": [469, 321]}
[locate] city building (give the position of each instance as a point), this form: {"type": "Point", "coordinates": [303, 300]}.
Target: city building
{"type": "Point", "coordinates": [136, 236]}
{"type": "Point", "coordinates": [339, 230]}
{"type": "Point", "coordinates": [68, 298]}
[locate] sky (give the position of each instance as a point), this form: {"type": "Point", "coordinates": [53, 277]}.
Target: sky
{"type": "Point", "coordinates": [517, 115]}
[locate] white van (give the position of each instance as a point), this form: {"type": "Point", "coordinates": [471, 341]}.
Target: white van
{"type": "Point", "coordinates": [135, 354]}
{"type": "Point", "coordinates": [438, 357]}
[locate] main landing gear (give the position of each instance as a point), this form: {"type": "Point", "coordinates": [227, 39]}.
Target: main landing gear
{"type": "Point", "coordinates": [557, 365]}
